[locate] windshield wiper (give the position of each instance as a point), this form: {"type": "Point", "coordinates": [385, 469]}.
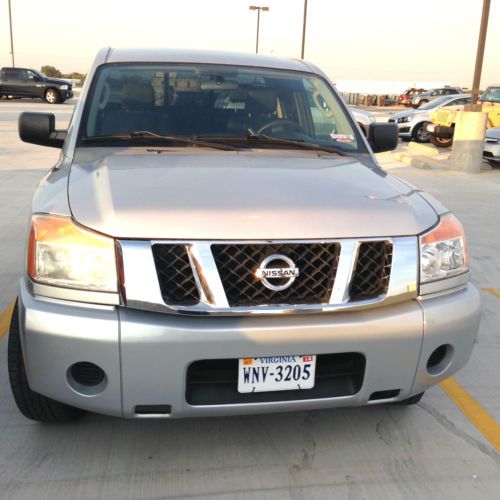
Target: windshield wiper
{"type": "Point", "coordinates": [148, 136]}
{"type": "Point", "coordinates": [267, 139]}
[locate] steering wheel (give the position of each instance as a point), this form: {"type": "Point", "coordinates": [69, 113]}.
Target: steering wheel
{"type": "Point", "coordinates": [282, 124]}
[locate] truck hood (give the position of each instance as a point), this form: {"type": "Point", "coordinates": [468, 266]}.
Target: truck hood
{"type": "Point", "coordinates": [57, 81]}
{"type": "Point", "coordinates": [174, 194]}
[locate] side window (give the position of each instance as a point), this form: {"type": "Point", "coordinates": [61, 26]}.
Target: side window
{"type": "Point", "coordinates": [435, 92]}
{"type": "Point", "coordinates": [33, 77]}
{"type": "Point", "coordinates": [12, 74]}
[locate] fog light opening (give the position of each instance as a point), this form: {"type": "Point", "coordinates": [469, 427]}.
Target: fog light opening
{"type": "Point", "coordinates": [86, 378]}
{"type": "Point", "coordinates": [440, 359]}
{"type": "Point", "coordinates": [377, 396]}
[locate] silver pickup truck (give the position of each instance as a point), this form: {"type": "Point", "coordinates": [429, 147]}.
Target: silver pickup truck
{"type": "Point", "coordinates": [218, 238]}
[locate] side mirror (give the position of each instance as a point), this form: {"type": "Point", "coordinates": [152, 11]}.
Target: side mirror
{"type": "Point", "coordinates": [40, 128]}
{"type": "Point", "coordinates": [383, 136]}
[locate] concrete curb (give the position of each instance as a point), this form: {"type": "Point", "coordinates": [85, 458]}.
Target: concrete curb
{"type": "Point", "coordinates": [426, 162]}
{"type": "Point", "coordinates": [428, 150]}
{"type": "Point", "coordinates": [421, 162]}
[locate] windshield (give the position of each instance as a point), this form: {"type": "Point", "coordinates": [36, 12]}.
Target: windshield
{"type": "Point", "coordinates": [216, 102]}
{"type": "Point", "coordinates": [491, 94]}
{"type": "Point", "coordinates": [435, 103]}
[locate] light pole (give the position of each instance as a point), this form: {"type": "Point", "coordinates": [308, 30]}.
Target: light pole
{"type": "Point", "coordinates": [11, 37]}
{"type": "Point", "coordinates": [480, 51]}
{"type": "Point", "coordinates": [258, 8]}
{"type": "Point", "coordinates": [304, 30]}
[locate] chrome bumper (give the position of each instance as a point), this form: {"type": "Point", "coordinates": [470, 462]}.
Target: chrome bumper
{"type": "Point", "coordinates": [145, 355]}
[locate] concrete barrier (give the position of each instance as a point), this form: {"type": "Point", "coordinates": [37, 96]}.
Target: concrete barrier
{"type": "Point", "coordinates": [468, 142]}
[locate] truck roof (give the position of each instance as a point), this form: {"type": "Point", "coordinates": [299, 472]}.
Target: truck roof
{"type": "Point", "coordinates": [205, 57]}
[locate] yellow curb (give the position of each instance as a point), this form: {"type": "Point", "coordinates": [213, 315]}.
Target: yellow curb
{"type": "Point", "coordinates": [428, 150]}
{"type": "Point", "coordinates": [476, 414]}
{"type": "Point", "coordinates": [5, 318]}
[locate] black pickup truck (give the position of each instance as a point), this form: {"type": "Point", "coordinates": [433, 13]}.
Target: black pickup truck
{"type": "Point", "coordinates": [22, 82]}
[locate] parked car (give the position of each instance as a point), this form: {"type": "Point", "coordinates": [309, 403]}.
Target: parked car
{"type": "Point", "coordinates": [432, 94]}
{"type": "Point", "coordinates": [22, 82]}
{"type": "Point", "coordinates": [491, 151]}
{"type": "Point", "coordinates": [363, 119]}
{"type": "Point", "coordinates": [412, 123]}
{"type": "Point", "coordinates": [406, 97]}
{"type": "Point", "coordinates": [442, 128]}
{"type": "Point", "coordinates": [218, 238]}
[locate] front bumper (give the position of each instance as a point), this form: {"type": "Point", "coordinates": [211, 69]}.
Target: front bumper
{"type": "Point", "coordinates": [404, 128]}
{"type": "Point", "coordinates": [491, 151]}
{"type": "Point", "coordinates": [66, 94]}
{"type": "Point", "coordinates": [145, 355]}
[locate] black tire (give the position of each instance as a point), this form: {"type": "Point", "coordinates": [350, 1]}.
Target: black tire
{"type": "Point", "coordinates": [31, 404]}
{"type": "Point", "coordinates": [419, 134]}
{"type": "Point", "coordinates": [422, 101]}
{"type": "Point", "coordinates": [440, 143]}
{"type": "Point", "coordinates": [411, 401]}
{"type": "Point", "coordinates": [52, 96]}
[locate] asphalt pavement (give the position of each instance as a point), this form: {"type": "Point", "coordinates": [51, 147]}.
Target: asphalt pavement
{"type": "Point", "coordinates": [444, 447]}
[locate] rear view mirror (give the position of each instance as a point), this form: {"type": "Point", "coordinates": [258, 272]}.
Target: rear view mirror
{"type": "Point", "coordinates": [40, 128]}
{"type": "Point", "coordinates": [383, 137]}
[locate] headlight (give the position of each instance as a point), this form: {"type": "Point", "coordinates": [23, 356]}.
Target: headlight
{"type": "Point", "coordinates": [443, 251]}
{"type": "Point", "coordinates": [405, 119]}
{"type": "Point", "coordinates": [63, 87]}
{"type": "Point", "coordinates": [62, 253]}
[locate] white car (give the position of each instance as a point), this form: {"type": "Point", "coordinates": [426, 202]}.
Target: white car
{"type": "Point", "coordinates": [491, 151]}
{"type": "Point", "coordinates": [411, 123]}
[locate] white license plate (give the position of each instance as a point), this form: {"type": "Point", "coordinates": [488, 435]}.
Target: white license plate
{"type": "Point", "coordinates": [276, 373]}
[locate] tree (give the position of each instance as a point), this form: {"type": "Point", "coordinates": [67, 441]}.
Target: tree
{"type": "Point", "coordinates": [51, 71]}
{"type": "Point", "coordinates": [76, 76]}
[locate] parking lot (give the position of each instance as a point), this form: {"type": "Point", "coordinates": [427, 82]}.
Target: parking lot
{"type": "Point", "coordinates": [445, 447]}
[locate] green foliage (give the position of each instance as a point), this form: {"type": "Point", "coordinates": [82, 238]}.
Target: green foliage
{"type": "Point", "coordinates": [55, 73]}
{"type": "Point", "coordinates": [76, 76]}
{"type": "Point", "coordinates": [51, 71]}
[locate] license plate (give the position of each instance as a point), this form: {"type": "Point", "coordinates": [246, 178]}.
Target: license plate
{"type": "Point", "coordinates": [276, 373]}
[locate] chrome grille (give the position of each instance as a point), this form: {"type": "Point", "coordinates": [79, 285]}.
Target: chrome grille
{"type": "Point", "coordinates": [175, 275]}
{"type": "Point", "coordinates": [237, 264]}
{"type": "Point", "coordinates": [372, 270]}
{"type": "Point", "coordinates": [185, 277]}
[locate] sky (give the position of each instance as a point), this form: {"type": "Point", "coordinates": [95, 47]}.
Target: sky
{"type": "Point", "coordinates": [394, 40]}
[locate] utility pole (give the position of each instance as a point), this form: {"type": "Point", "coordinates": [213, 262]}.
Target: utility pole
{"type": "Point", "coordinates": [258, 8]}
{"type": "Point", "coordinates": [304, 30]}
{"type": "Point", "coordinates": [11, 37]}
{"type": "Point", "coordinates": [470, 124]}
{"type": "Point", "coordinates": [480, 51]}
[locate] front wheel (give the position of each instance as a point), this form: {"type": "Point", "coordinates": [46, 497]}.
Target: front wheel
{"type": "Point", "coordinates": [422, 102]}
{"type": "Point", "coordinates": [419, 133]}
{"type": "Point", "coordinates": [52, 96]}
{"type": "Point", "coordinates": [439, 142]}
{"type": "Point", "coordinates": [31, 404]}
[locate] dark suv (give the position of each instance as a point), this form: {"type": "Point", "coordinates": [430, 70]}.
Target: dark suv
{"type": "Point", "coordinates": [21, 82]}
